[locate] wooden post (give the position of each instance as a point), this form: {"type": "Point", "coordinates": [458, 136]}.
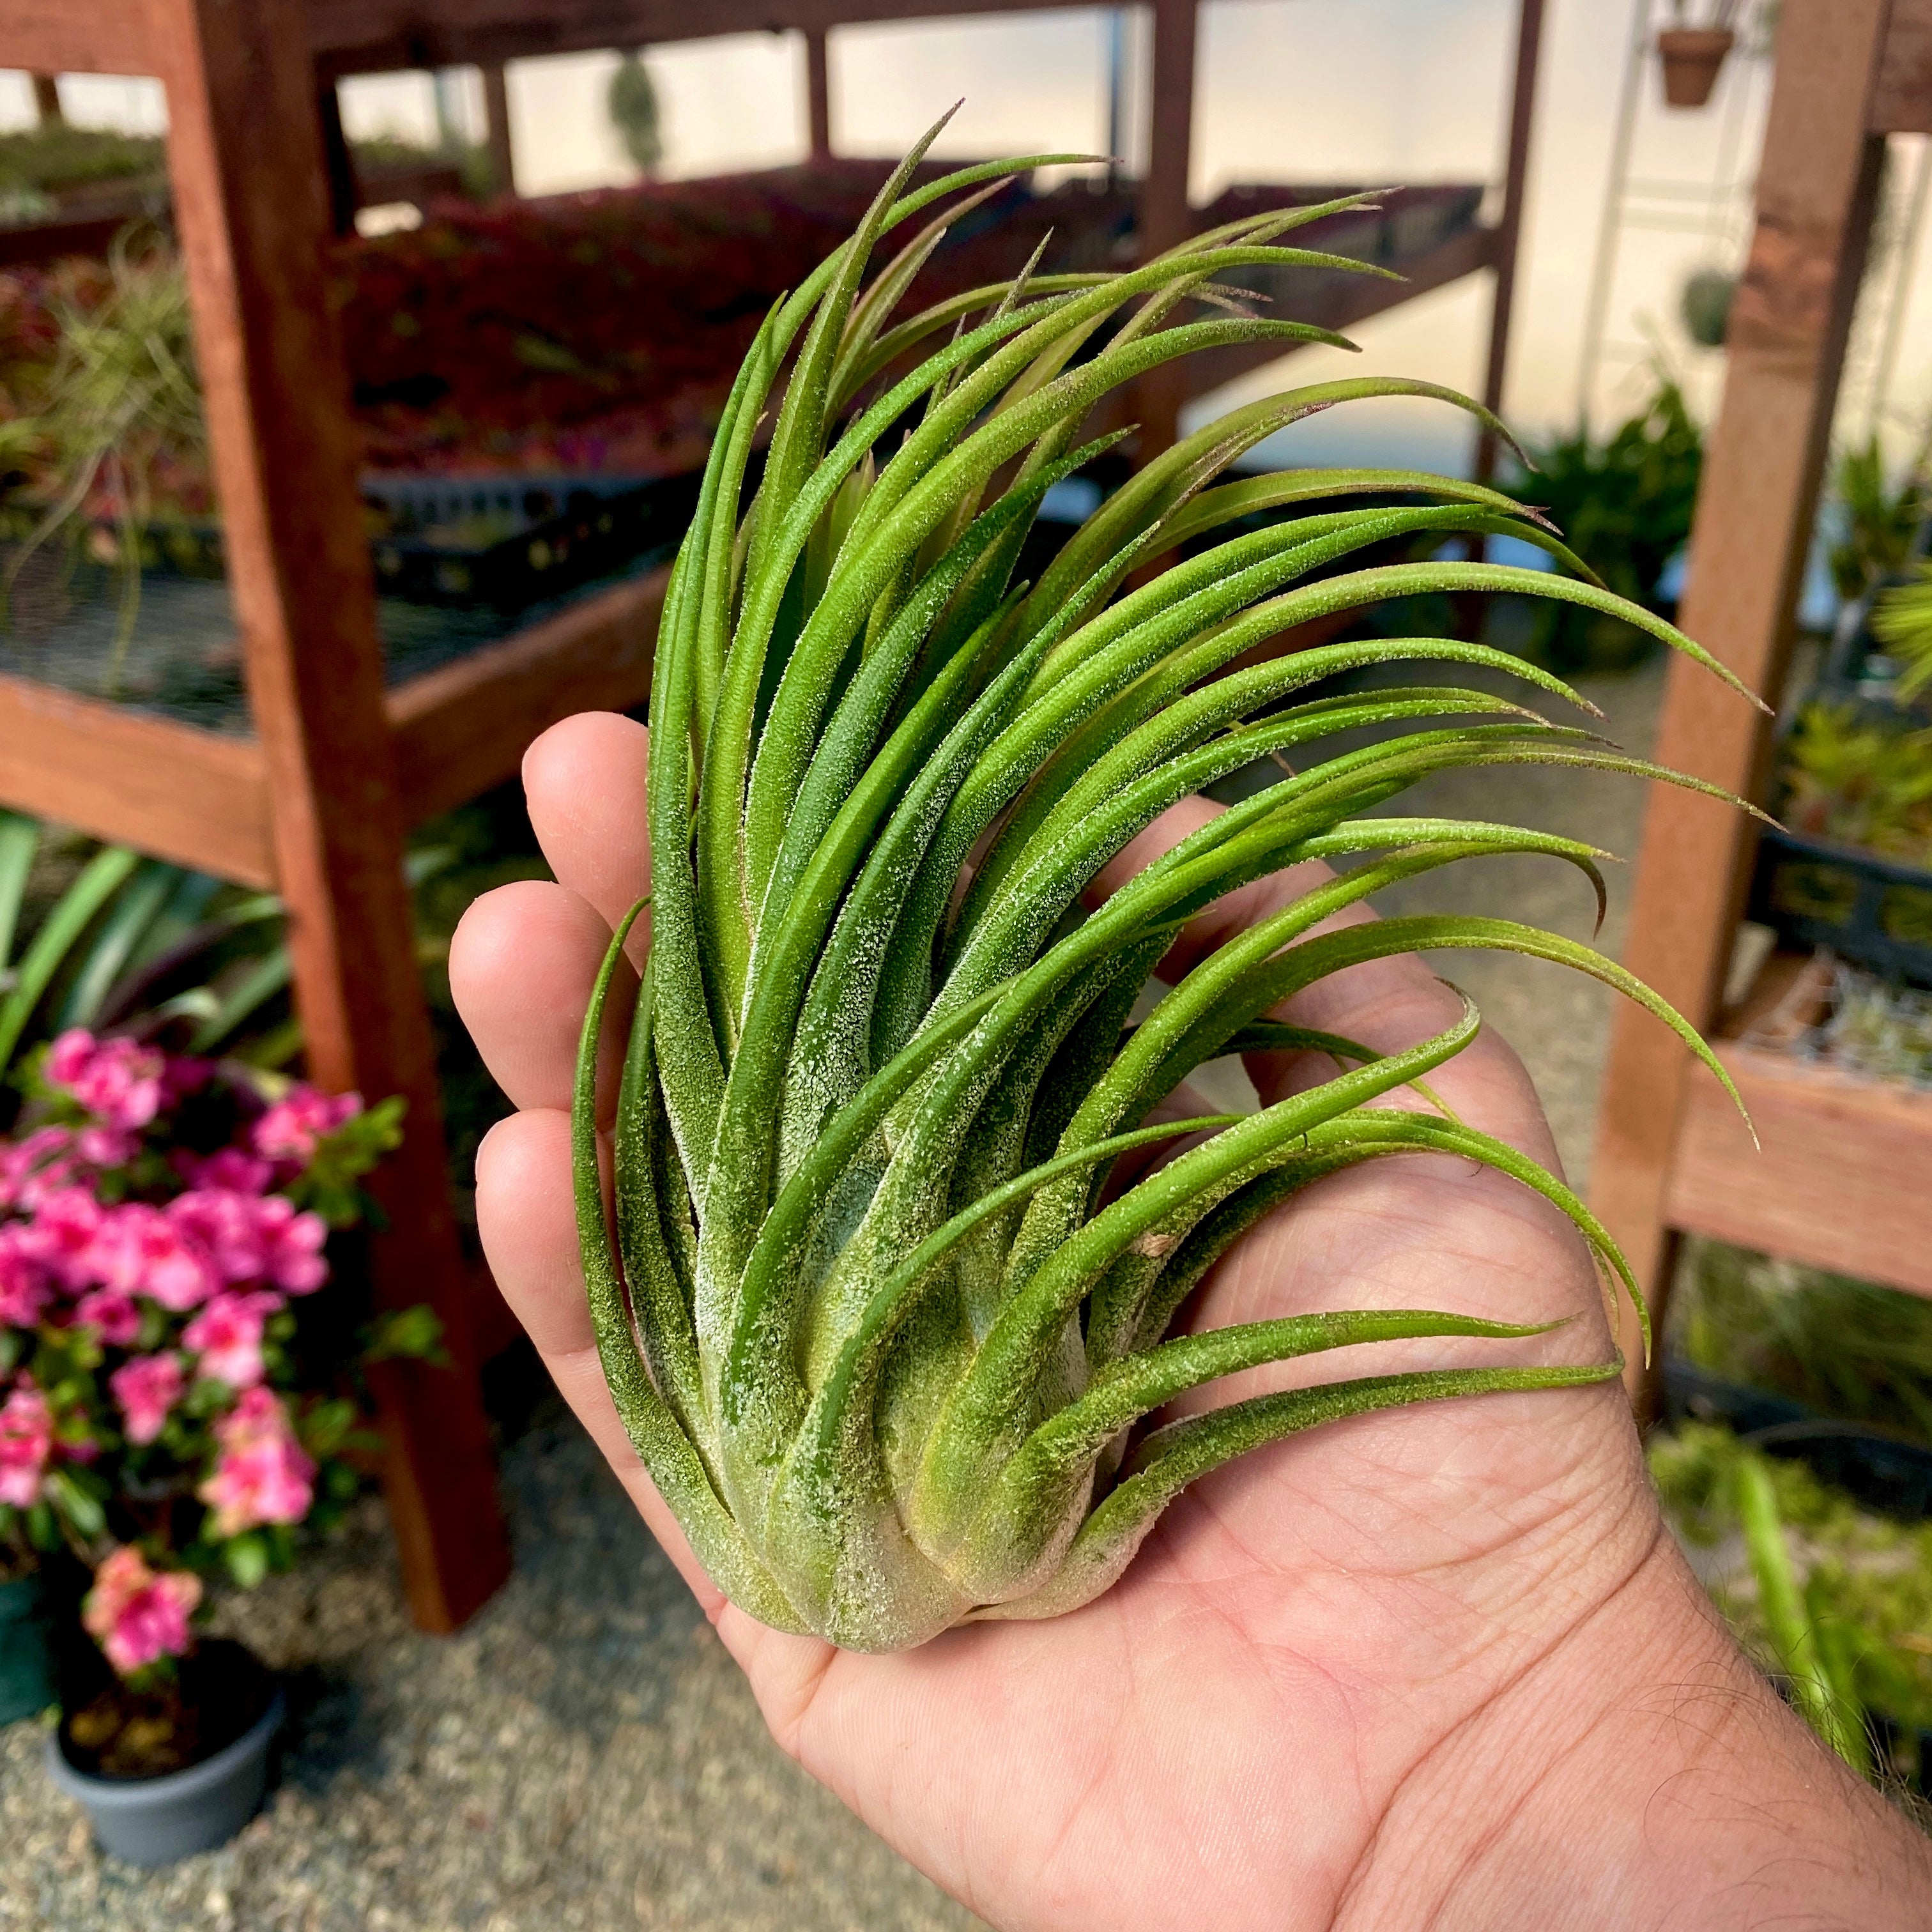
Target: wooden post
{"type": "Point", "coordinates": [46, 100]}
{"type": "Point", "coordinates": [1165, 218]}
{"type": "Point", "coordinates": [1509, 225]}
{"type": "Point", "coordinates": [497, 128]}
{"type": "Point", "coordinates": [818, 94]}
{"type": "Point", "coordinates": [246, 162]}
{"type": "Point", "coordinates": [1815, 191]}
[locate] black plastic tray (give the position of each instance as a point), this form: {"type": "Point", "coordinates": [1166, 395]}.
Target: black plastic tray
{"type": "Point", "coordinates": [1873, 911]}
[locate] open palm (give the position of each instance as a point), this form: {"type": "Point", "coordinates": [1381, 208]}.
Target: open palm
{"type": "Point", "coordinates": [1319, 1646]}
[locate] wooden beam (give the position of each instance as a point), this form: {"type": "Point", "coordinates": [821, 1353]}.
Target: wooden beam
{"type": "Point", "coordinates": [363, 36]}
{"type": "Point", "coordinates": [464, 728]}
{"type": "Point", "coordinates": [1165, 218]}
{"type": "Point", "coordinates": [49, 37]}
{"type": "Point", "coordinates": [47, 100]}
{"type": "Point", "coordinates": [1816, 188]}
{"type": "Point", "coordinates": [338, 164]}
{"type": "Point", "coordinates": [817, 95]}
{"type": "Point", "coordinates": [245, 157]}
{"type": "Point", "coordinates": [1901, 102]}
{"type": "Point", "coordinates": [1839, 1180]}
{"type": "Point", "coordinates": [1509, 225]}
{"type": "Point", "coordinates": [195, 797]}
{"type": "Point", "coordinates": [497, 128]}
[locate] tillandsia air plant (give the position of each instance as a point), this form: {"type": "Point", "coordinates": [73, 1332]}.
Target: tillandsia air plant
{"type": "Point", "coordinates": [874, 1324]}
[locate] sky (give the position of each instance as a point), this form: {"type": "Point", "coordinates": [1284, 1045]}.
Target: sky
{"type": "Point", "coordinates": [1350, 90]}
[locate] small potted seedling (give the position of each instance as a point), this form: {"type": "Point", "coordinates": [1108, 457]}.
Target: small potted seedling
{"type": "Point", "coordinates": [1693, 52]}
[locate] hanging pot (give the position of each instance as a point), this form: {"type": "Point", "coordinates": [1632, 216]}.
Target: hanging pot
{"type": "Point", "coordinates": [1692, 57]}
{"type": "Point", "coordinates": [27, 1685]}
{"type": "Point", "coordinates": [154, 1820]}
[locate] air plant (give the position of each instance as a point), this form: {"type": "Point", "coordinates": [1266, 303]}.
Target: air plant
{"type": "Point", "coordinates": [875, 1324]}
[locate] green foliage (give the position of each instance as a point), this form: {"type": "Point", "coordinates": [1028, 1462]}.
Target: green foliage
{"type": "Point", "coordinates": [1624, 507]}
{"type": "Point", "coordinates": [1856, 1635]}
{"type": "Point", "coordinates": [120, 402]}
{"type": "Point", "coordinates": [873, 1325]}
{"type": "Point", "coordinates": [1847, 1348]}
{"type": "Point", "coordinates": [1882, 517]}
{"type": "Point", "coordinates": [632, 104]}
{"type": "Point", "coordinates": [55, 156]}
{"type": "Point", "coordinates": [331, 1185]}
{"type": "Point", "coordinates": [1901, 620]}
{"type": "Point", "coordinates": [1851, 775]}
{"type": "Point", "coordinates": [120, 939]}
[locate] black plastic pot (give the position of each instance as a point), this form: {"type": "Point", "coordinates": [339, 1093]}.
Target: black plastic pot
{"type": "Point", "coordinates": [155, 1821]}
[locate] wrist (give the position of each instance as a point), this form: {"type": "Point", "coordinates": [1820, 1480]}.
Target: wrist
{"type": "Point", "coordinates": [1642, 1773]}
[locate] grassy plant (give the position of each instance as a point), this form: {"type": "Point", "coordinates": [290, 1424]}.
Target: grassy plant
{"type": "Point", "coordinates": [1834, 1599]}
{"type": "Point", "coordinates": [873, 1325]}
{"type": "Point", "coordinates": [1847, 1348]}
{"type": "Point", "coordinates": [121, 402]}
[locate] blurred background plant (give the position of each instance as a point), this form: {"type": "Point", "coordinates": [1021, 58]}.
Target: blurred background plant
{"type": "Point", "coordinates": [1834, 1601]}
{"type": "Point", "coordinates": [1843, 1348]}
{"type": "Point", "coordinates": [1881, 511]}
{"type": "Point", "coordinates": [110, 436]}
{"type": "Point", "coordinates": [632, 104]}
{"type": "Point", "coordinates": [1624, 506]}
{"type": "Point", "coordinates": [1860, 777]}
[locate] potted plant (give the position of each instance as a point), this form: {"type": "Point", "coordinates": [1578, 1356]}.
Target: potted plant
{"type": "Point", "coordinates": [175, 1398]}
{"type": "Point", "coordinates": [1692, 54]}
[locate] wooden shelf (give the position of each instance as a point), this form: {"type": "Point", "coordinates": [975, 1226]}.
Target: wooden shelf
{"type": "Point", "coordinates": [201, 798]}
{"type": "Point", "coordinates": [1840, 1180]}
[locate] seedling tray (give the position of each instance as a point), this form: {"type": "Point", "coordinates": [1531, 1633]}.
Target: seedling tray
{"type": "Point", "coordinates": [508, 542]}
{"type": "Point", "coordinates": [1876, 912]}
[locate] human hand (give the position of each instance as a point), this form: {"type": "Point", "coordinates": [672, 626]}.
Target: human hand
{"type": "Point", "coordinates": [1440, 1665]}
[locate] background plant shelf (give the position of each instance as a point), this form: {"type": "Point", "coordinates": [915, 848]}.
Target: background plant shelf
{"type": "Point", "coordinates": [317, 801]}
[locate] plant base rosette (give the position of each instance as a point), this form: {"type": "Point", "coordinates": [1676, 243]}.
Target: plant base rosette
{"type": "Point", "coordinates": [884, 1341]}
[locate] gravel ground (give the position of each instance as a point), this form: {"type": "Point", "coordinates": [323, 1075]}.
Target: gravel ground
{"type": "Point", "coordinates": [585, 1755]}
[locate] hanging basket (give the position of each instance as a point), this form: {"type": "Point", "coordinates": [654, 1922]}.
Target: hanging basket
{"type": "Point", "coordinates": [1692, 57]}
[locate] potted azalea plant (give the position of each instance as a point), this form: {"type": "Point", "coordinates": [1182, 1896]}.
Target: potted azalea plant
{"type": "Point", "coordinates": [177, 1398]}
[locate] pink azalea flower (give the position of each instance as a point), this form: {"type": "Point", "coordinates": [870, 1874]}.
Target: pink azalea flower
{"type": "Point", "coordinates": [182, 1076]}
{"type": "Point", "coordinates": [25, 1291]}
{"type": "Point", "coordinates": [118, 1080]}
{"type": "Point", "coordinates": [147, 1388]}
{"type": "Point", "coordinates": [26, 1173]}
{"type": "Point", "coordinates": [221, 1222]}
{"type": "Point", "coordinates": [66, 1225]}
{"type": "Point", "coordinates": [106, 1146]}
{"type": "Point", "coordinates": [138, 1615]}
{"type": "Point", "coordinates": [290, 1245]}
{"type": "Point", "coordinates": [262, 1474]}
{"type": "Point", "coordinates": [290, 1129]}
{"type": "Point", "coordinates": [140, 1250]}
{"type": "Point", "coordinates": [113, 1315]}
{"type": "Point", "coordinates": [26, 1439]}
{"type": "Point", "coordinates": [227, 1335]}
{"type": "Point", "coordinates": [231, 1170]}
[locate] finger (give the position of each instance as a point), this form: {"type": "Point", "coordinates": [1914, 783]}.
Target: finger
{"type": "Point", "coordinates": [526, 1217]}
{"type": "Point", "coordinates": [584, 784]}
{"type": "Point", "coordinates": [522, 962]}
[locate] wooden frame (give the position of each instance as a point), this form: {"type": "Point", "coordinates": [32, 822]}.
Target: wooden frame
{"type": "Point", "coordinates": [1843, 1177]}
{"type": "Point", "coordinates": [316, 804]}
